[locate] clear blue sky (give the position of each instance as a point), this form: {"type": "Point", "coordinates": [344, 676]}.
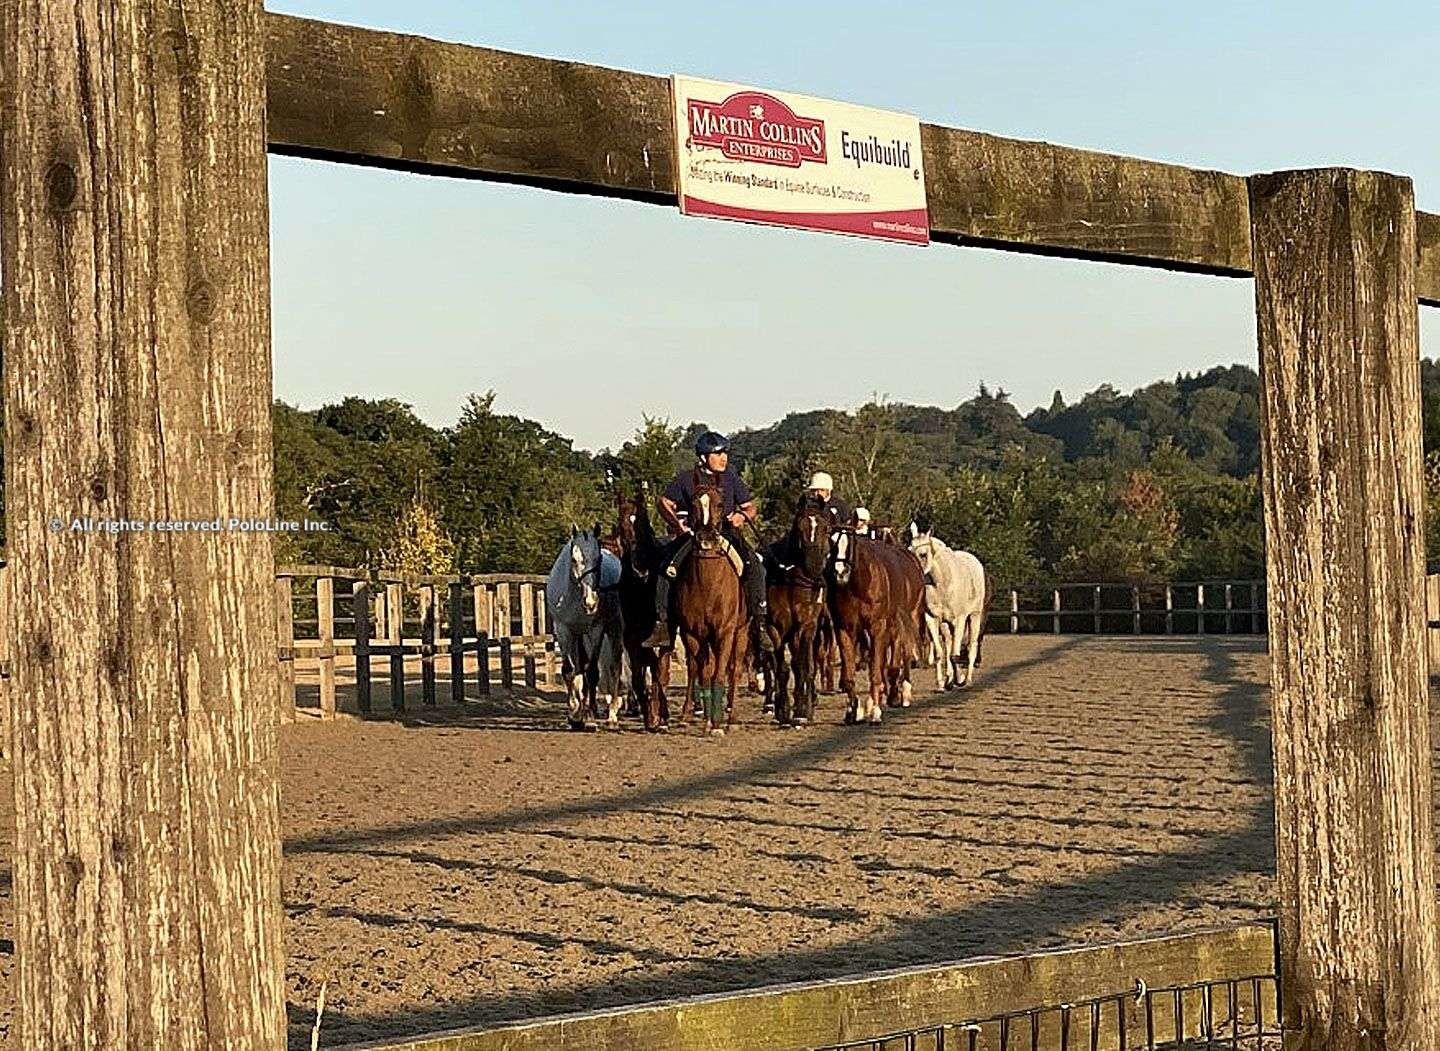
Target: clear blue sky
{"type": "Point", "coordinates": [584, 313]}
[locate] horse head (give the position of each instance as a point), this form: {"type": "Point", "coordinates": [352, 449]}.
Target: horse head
{"type": "Point", "coordinates": [585, 567]}
{"type": "Point", "coordinates": [842, 558]}
{"type": "Point", "coordinates": [810, 536]}
{"type": "Point", "coordinates": [707, 513]}
{"type": "Point", "coordinates": [925, 546]}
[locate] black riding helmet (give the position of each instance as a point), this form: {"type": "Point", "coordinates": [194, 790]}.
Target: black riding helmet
{"type": "Point", "coordinates": [711, 442]}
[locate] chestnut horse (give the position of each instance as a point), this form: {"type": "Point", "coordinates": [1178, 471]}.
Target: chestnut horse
{"type": "Point", "coordinates": [876, 594]}
{"type": "Point", "coordinates": [640, 555]}
{"type": "Point", "coordinates": [710, 612]}
{"type": "Point", "coordinates": [796, 591]}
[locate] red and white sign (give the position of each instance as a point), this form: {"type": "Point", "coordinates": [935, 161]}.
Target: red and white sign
{"type": "Point", "coordinates": [791, 160]}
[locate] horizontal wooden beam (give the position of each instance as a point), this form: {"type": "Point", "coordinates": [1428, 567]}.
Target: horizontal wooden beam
{"type": "Point", "coordinates": [362, 96]}
{"type": "Point", "coordinates": [815, 1014]}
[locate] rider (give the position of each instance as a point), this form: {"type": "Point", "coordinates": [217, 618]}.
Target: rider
{"type": "Point", "coordinates": [822, 487]}
{"type": "Point", "coordinates": [712, 465]}
{"type": "Point", "coordinates": [860, 522]}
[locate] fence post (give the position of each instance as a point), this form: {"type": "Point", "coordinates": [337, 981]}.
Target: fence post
{"type": "Point", "coordinates": [1169, 610]}
{"type": "Point", "coordinates": [1097, 609]}
{"type": "Point", "coordinates": [507, 669]}
{"type": "Point", "coordinates": [395, 614]}
{"type": "Point", "coordinates": [1055, 626]}
{"type": "Point", "coordinates": [1135, 605]}
{"type": "Point", "coordinates": [457, 641]}
{"type": "Point", "coordinates": [325, 629]}
{"type": "Point", "coordinates": [1200, 609]}
{"type": "Point", "coordinates": [1229, 607]}
{"type": "Point", "coordinates": [285, 632]}
{"type": "Point", "coordinates": [1014, 612]}
{"type": "Point", "coordinates": [429, 607]}
{"type": "Point", "coordinates": [136, 334]}
{"type": "Point", "coordinates": [1335, 266]}
{"type": "Point", "coordinates": [360, 604]}
{"type": "Point", "coordinates": [1257, 599]}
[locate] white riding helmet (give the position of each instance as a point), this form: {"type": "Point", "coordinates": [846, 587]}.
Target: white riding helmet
{"type": "Point", "coordinates": [821, 480]}
{"type": "Point", "coordinates": [862, 515]}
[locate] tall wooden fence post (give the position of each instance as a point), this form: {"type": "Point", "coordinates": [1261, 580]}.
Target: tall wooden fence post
{"type": "Point", "coordinates": [325, 629]}
{"type": "Point", "coordinates": [285, 634]}
{"type": "Point", "coordinates": [134, 246]}
{"type": "Point", "coordinates": [1334, 256]}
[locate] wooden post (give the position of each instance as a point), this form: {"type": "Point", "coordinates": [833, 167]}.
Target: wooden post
{"type": "Point", "coordinates": [284, 591]}
{"type": "Point", "coordinates": [1200, 609]}
{"type": "Point", "coordinates": [544, 630]}
{"type": "Point", "coordinates": [325, 628]}
{"type": "Point", "coordinates": [484, 624]}
{"type": "Point", "coordinates": [1014, 612]}
{"type": "Point", "coordinates": [482, 659]}
{"type": "Point", "coordinates": [1335, 258]}
{"type": "Point", "coordinates": [1169, 610]}
{"type": "Point", "coordinates": [507, 668]}
{"type": "Point", "coordinates": [457, 641]}
{"type": "Point", "coordinates": [395, 636]}
{"type": "Point", "coordinates": [1257, 598]}
{"type": "Point", "coordinates": [501, 611]}
{"type": "Point", "coordinates": [428, 610]}
{"type": "Point", "coordinates": [133, 242]}
{"type": "Point", "coordinates": [360, 592]}
{"type": "Point", "coordinates": [1229, 610]}
{"type": "Point", "coordinates": [1056, 615]}
{"type": "Point", "coordinates": [1135, 606]}
{"type": "Point", "coordinates": [1097, 609]}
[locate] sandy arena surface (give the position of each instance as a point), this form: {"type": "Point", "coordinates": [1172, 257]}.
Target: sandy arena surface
{"type": "Point", "coordinates": [457, 870]}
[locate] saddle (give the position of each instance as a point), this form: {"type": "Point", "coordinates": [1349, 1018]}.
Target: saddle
{"type": "Point", "coordinates": [730, 552]}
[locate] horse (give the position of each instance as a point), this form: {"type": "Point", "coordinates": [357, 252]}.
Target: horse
{"type": "Point", "coordinates": [796, 593]}
{"type": "Point", "coordinates": [584, 607]}
{"type": "Point", "coordinates": [957, 597]}
{"type": "Point", "coordinates": [877, 591]}
{"type": "Point", "coordinates": [640, 554]}
{"type": "Point", "coordinates": [710, 611]}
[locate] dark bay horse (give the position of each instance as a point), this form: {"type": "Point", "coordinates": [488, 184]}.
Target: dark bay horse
{"type": "Point", "coordinates": [710, 612]}
{"type": "Point", "coordinates": [796, 591]}
{"type": "Point", "coordinates": [876, 594]}
{"type": "Point", "coordinates": [640, 554]}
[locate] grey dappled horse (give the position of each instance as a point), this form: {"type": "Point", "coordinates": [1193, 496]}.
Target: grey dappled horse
{"type": "Point", "coordinates": [583, 602]}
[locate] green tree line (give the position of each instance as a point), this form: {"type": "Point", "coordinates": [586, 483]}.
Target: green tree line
{"type": "Point", "coordinates": [1160, 483]}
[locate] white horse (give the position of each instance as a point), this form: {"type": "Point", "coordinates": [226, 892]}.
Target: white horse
{"type": "Point", "coordinates": [584, 610]}
{"type": "Point", "coordinates": [957, 594]}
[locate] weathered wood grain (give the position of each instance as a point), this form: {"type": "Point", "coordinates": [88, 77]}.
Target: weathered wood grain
{"type": "Point", "coordinates": [137, 384]}
{"type": "Point", "coordinates": [362, 96]}
{"type": "Point", "coordinates": [813, 1014]}
{"type": "Point", "coordinates": [1345, 553]}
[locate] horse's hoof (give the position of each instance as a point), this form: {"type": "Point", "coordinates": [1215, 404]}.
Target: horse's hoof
{"type": "Point", "coordinates": [718, 731]}
{"type": "Point", "coordinates": [849, 718]}
{"type": "Point", "coordinates": [801, 721]}
{"type": "Point", "coordinates": [904, 702]}
{"type": "Point", "coordinates": [577, 725]}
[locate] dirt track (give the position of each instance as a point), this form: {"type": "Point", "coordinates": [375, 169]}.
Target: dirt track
{"type": "Point", "coordinates": [454, 872]}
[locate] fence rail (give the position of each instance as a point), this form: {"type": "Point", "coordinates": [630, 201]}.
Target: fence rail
{"type": "Point", "coordinates": [1119, 997]}
{"type": "Point", "coordinates": [1209, 607]}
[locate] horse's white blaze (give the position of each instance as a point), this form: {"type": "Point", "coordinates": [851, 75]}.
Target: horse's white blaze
{"type": "Point", "coordinates": [813, 527]}
{"type": "Point", "coordinates": [705, 509]}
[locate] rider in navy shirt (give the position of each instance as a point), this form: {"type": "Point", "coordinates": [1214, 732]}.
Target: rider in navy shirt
{"type": "Point", "coordinates": [712, 455]}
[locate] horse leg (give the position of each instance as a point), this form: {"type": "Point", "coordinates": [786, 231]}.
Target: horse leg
{"type": "Point", "coordinates": [879, 652]}
{"type": "Point", "coordinates": [784, 712]}
{"type": "Point", "coordinates": [692, 669]}
{"type": "Point", "coordinates": [972, 631]}
{"type": "Point", "coordinates": [803, 647]}
{"type": "Point", "coordinates": [728, 663]}
{"type": "Point", "coordinates": [845, 641]}
{"type": "Point", "coordinates": [660, 680]}
{"type": "Point", "coordinates": [574, 672]}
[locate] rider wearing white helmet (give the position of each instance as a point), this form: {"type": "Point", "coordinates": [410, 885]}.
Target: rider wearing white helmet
{"type": "Point", "coordinates": [823, 487]}
{"type": "Point", "coordinates": [860, 521]}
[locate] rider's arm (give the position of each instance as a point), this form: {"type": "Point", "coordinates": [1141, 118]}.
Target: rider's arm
{"type": "Point", "coordinates": [748, 510]}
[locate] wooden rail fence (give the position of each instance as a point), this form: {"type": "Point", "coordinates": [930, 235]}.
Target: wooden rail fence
{"type": "Point", "coordinates": [384, 616]}
{"type": "Point", "coordinates": [1211, 607]}
{"type": "Point", "coordinates": [857, 1011]}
